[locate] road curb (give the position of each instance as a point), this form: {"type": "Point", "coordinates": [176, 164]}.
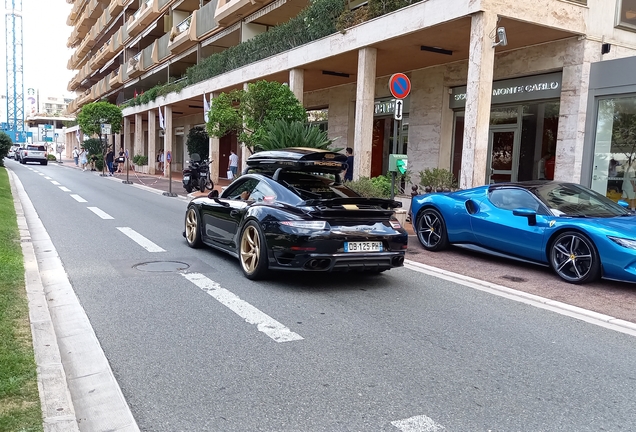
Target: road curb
{"type": "Point", "coordinates": [586, 315]}
{"type": "Point", "coordinates": [73, 372]}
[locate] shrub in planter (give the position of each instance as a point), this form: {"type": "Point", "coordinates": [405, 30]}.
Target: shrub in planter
{"type": "Point", "coordinates": [370, 188]}
{"type": "Point", "coordinates": [51, 157]}
{"type": "Point", "coordinates": [437, 179]}
{"type": "Point", "coordinates": [140, 160]}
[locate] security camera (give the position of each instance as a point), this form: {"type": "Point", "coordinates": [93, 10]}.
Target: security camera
{"type": "Point", "coordinates": [501, 35]}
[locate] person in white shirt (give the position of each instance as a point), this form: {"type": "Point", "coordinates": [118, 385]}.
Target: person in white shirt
{"type": "Point", "coordinates": [76, 154]}
{"type": "Point", "coordinates": [233, 163]}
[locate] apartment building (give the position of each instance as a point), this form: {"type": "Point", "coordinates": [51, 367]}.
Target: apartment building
{"type": "Point", "coordinates": [489, 104]}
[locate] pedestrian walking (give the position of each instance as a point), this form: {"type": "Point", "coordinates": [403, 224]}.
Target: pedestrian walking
{"type": "Point", "coordinates": [76, 154]}
{"type": "Point", "coordinates": [83, 156]}
{"type": "Point", "coordinates": [233, 163]}
{"type": "Point", "coordinates": [110, 159]}
{"type": "Point", "coordinates": [160, 160]}
{"type": "Point", "coordinates": [348, 175]}
{"type": "Point", "coordinates": [121, 159]}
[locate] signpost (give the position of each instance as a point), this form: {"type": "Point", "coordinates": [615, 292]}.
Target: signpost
{"type": "Point", "coordinates": [168, 161]}
{"type": "Point", "coordinates": [400, 87]}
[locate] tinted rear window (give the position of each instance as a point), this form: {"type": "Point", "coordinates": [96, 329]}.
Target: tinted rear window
{"type": "Point", "coordinates": [309, 186]}
{"type": "Point", "coordinates": [39, 148]}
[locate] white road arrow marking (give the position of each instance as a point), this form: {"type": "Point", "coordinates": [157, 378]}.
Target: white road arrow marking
{"type": "Point", "coordinates": [264, 323]}
{"type": "Point", "coordinates": [102, 214]}
{"type": "Point", "coordinates": [419, 423]}
{"type": "Point", "coordinates": [78, 198]}
{"type": "Point", "coordinates": [140, 240]}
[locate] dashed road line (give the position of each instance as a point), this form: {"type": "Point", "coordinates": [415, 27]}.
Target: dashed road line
{"type": "Point", "coordinates": [64, 189]}
{"type": "Point", "coordinates": [264, 323]}
{"type": "Point", "coordinates": [56, 183]}
{"type": "Point", "coordinates": [102, 214]}
{"type": "Point", "coordinates": [419, 423]}
{"type": "Point", "coordinates": [48, 178]}
{"type": "Point", "coordinates": [78, 198]}
{"type": "Point", "coordinates": [140, 240]}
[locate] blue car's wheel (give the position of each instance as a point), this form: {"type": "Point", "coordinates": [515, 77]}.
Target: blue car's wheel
{"type": "Point", "coordinates": [574, 258]}
{"type": "Point", "coordinates": [431, 230]}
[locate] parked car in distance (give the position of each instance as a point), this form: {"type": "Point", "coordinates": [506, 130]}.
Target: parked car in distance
{"type": "Point", "coordinates": [580, 234]}
{"type": "Point", "coordinates": [290, 211]}
{"type": "Point", "coordinates": [15, 148]}
{"type": "Point", "coordinates": [34, 153]}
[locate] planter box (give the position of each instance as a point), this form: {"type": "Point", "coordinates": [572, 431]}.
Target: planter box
{"type": "Point", "coordinates": [400, 215]}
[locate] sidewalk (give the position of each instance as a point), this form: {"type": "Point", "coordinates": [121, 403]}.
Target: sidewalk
{"type": "Point", "coordinates": [155, 181]}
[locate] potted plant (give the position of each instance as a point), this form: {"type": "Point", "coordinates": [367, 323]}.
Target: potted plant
{"type": "Point", "coordinates": [141, 161]}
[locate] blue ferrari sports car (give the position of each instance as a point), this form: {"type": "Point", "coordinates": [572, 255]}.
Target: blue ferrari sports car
{"type": "Point", "coordinates": [579, 233]}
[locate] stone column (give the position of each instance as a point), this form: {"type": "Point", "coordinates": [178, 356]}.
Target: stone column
{"type": "Point", "coordinates": [127, 136]}
{"type": "Point", "coordinates": [365, 94]}
{"type": "Point", "coordinates": [481, 62]}
{"type": "Point", "coordinates": [214, 152]}
{"type": "Point", "coordinates": [297, 83]}
{"type": "Point", "coordinates": [139, 135]}
{"type": "Point", "coordinates": [243, 152]}
{"type": "Point", "coordinates": [117, 138]}
{"type": "Point", "coordinates": [168, 138]}
{"type": "Point", "coordinates": [152, 142]}
{"type": "Point", "coordinates": [573, 110]}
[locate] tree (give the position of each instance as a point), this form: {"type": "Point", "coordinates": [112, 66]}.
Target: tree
{"type": "Point", "coordinates": [247, 113]}
{"type": "Point", "coordinates": [281, 134]}
{"type": "Point", "coordinates": [93, 115]}
{"type": "Point", "coordinates": [5, 146]}
{"type": "Point", "coordinates": [198, 142]}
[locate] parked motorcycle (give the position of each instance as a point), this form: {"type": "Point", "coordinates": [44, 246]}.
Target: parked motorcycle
{"type": "Point", "coordinates": [197, 175]}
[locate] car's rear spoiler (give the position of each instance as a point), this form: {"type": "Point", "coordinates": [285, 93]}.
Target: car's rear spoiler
{"type": "Point", "coordinates": [361, 203]}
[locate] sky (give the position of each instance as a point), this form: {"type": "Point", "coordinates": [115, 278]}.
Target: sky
{"type": "Point", "coordinates": [45, 34]}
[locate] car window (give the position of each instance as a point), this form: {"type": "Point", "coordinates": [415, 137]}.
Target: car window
{"type": "Point", "coordinates": [576, 200]}
{"type": "Point", "coordinates": [308, 186]}
{"type": "Point", "coordinates": [38, 148]}
{"type": "Point", "coordinates": [512, 198]}
{"type": "Point", "coordinates": [241, 190]}
{"type": "Point", "coordinates": [262, 191]}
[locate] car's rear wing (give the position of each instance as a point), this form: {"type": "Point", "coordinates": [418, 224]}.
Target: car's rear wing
{"type": "Point", "coordinates": [359, 208]}
{"type": "Point", "coordinates": [360, 202]}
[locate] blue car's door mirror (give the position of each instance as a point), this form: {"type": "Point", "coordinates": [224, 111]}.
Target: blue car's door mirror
{"type": "Point", "coordinates": [527, 213]}
{"type": "Point", "coordinates": [623, 203]}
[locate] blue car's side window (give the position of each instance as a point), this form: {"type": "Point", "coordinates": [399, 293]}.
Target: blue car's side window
{"type": "Point", "coordinates": [511, 199]}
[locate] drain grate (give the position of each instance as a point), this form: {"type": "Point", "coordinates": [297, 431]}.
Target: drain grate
{"type": "Point", "coordinates": [514, 278]}
{"type": "Point", "coordinates": [161, 266]}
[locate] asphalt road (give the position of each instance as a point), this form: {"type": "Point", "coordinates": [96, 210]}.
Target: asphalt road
{"type": "Point", "coordinates": [399, 351]}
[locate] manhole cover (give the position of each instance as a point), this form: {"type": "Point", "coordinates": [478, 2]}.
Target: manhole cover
{"type": "Point", "coordinates": [161, 266]}
{"type": "Point", "coordinates": [513, 278]}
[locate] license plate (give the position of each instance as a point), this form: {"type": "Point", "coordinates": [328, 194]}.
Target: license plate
{"type": "Point", "coordinates": [363, 246]}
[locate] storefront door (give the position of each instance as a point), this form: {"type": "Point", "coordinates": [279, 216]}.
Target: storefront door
{"type": "Point", "coordinates": [503, 154]}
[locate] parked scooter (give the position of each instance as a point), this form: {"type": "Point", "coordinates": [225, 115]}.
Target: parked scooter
{"type": "Point", "coordinates": [197, 175]}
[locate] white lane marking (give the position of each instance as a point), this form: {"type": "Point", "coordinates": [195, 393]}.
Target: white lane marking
{"type": "Point", "coordinates": [64, 189]}
{"type": "Point", "coordinates": [565, 309]}
{"type": "Point", "coordinates": [419, 423]}
{"type": "Point", "coordinates": [55, 182]}
{"type": "Point", "coordinates": [102, 214]}
{"type": "Point", "coordinates": [48, 178]}
{"type": "Point", "coordinates": [140, 240]}
{"type": "Point", "coordinates": [264, 323]}
{"type": "Point", "coordinates": [78, 198]}
{"type": "Point", "coordinates": [41, 174]}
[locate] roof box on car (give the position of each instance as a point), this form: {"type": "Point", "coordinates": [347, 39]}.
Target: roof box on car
{"type": "Point", "coordinates": [298, 159]}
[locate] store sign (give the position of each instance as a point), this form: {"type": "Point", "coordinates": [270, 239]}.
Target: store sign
{"type": "Point", "coordinates": [386, 107]}
{"type": "Point", "coordinates": [536, 87]}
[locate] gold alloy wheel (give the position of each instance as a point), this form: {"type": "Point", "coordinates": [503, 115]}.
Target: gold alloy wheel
{"type": "Point", "coordinates": [191, 226]}
{"type": "Point", "coordinates": [250, 249]}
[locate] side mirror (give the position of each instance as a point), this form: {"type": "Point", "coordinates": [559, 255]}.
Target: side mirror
{"type": "Point", "coordinates": [527, 213]}
{"type": "Point", "coordinates": [623, 203]}
{"type": "Point", "coordinates": [213, 194]}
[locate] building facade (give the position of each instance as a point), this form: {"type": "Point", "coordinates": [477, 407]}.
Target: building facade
{"type": "Point", "coordinates": [489, 104]}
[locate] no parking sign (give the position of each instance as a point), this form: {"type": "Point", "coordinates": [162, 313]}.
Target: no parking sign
{"type": "Point", "coordinates": [168, 156]}
{"type": "Point", "coordinates": [400, 85]}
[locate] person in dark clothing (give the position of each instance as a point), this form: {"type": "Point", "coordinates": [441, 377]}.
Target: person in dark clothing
{"type": "Point", "coordinates": [121, 159]}
{"type": "Point", "coordinates": [110, 159]}
{"type": "Point", "coordinates": [349, 172]}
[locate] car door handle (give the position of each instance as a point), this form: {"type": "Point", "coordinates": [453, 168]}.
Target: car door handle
{"type": "Point", "coordinates": [234, 213]}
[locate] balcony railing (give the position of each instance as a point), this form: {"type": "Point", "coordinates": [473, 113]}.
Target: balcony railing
{"type": "Point", "coordinates": [183, 35]}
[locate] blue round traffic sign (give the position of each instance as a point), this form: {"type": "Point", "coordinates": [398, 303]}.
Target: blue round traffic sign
{"type": "Point", "coordinates": [400, 85]}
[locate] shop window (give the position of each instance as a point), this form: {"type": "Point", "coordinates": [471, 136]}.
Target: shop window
{"type": "Point", "coordinates": [626, 14]}
{"type": "Point", "coordinates": [614, 163]}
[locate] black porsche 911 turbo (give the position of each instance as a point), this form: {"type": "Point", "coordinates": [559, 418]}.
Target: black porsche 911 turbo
{"type": "Point", "coordinates": [290, 211]}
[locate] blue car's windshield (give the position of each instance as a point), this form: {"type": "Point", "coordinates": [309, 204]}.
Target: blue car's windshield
{"type": "Point", "coordinates": [566, 199]}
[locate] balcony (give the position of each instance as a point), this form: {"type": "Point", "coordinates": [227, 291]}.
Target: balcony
{"type": "Point", "coordinates": [134, 66]}
{"type": "Point", "coordinates": [116, 78]}
{"type": "Point", "coordinates": [101, 57]}
{"type": "Point", "coordinates": [75, 82]}
{"type": "Point", "coordinates": [230, 11]}
{"type": "Point", "coordinates": [73, 39]}
{"type": "Point", "coordinates": [84, 98]}
{"type": "Point", "coordinates": [183, 35]}
{"type": "Point", "coordinates": [116, 6]}
{"type": "Point", "coordinates": [94, 9]}
{"type": "Point", "coordinates": [147, 12]}
{"type": "Point", "coordinates": [160, 50]}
